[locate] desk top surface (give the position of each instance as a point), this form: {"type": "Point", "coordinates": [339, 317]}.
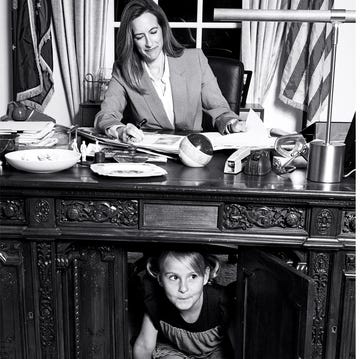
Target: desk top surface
{"type": "Point", "coordinates": [209, 180]}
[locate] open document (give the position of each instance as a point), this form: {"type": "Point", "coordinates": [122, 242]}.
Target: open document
{"type": "Point", "coordinates": [256, 137]}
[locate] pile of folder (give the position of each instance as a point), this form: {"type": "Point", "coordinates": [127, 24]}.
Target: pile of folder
{"type": "Point", "coordinates": [31, 133]}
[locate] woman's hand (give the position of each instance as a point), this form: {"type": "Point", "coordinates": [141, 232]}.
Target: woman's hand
{"type": "Point", "coordinates": [130, 133]}
{"type": "Point", "coordinates": [235, 125]}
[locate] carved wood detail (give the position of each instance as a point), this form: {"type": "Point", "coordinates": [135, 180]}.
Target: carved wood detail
{"type": "Point", "coordinates": [119, 212]}
{"type": "Point", "coordinates": [77, 308]}
{"type": "Point", "coordinates": [10, 255]}
{"type": "Point", "coordinates": [46, 299]}
{"type": "Point", "coordinates": [12, 210]}
{"type": "Point", "coordinates": [11, 300]}
{"type": "Point", "coordinates": [89, 265]}
{"type": "Point", "coordinates": [349, 222]}
{"type": "Point", "coordinates": [324, 221]}
{"type": "Point", "coordinates": [350, 263]}
{"type": "Point", "coordinates": [238, 216]}
{"type": "Point", "coordinates": [319, 271]}
{"type": "Point", "coordinates": [41, 211]}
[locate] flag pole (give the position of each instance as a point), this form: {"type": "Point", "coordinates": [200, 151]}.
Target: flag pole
{"type": "Point", "coordinates": [335, 36]}
{"type": "Point", "coordinates": [326, 160]}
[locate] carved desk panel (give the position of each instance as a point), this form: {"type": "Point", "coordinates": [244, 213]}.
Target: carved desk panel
{"type": "Point", "coordinates": [65, 237]}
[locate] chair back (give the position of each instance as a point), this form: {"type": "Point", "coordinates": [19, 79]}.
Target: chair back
{"type": "Point", "coordinates": [230, 76]}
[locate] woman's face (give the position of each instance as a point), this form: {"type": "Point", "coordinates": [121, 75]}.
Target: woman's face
{"type": "Point", "coordinates": [148, 37]}
{"type": "Point", "coordinates": [182, 285]}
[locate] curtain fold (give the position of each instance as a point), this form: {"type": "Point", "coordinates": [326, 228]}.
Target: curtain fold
{"type": "Point", "coordinates": [80, 34]}
{"type": "Point", "coordinates": [33, 77]}
{"type": "Point", "coordinates": [261, 48]}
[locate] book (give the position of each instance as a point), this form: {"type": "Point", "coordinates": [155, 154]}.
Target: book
{"type": "Point", "coordinates": [148, 145]}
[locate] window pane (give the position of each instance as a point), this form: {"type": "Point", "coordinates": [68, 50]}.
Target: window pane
{"type": "Point", "coordinates": [177, 10]}
{"type": "Point", "coordinates": [210, 5]}
{"type": "Point", "coordinates": [222, 42]}
{"type": "Point", "coordinates": [118, 8]}
{"type": "Point", "coordinates": [186, 37]}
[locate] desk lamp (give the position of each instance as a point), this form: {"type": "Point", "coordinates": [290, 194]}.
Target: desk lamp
{"type": "Point", "coordinates": [326, 159]}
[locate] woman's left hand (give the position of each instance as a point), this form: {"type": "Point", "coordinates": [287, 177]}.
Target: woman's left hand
{"type": "Point", "coordinates": [236, 125]}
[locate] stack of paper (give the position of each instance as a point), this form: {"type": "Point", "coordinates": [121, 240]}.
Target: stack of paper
{"type": "Point", "coordinates": [256, 136]}
{"type": "Point", "coordinates": [30, 133]}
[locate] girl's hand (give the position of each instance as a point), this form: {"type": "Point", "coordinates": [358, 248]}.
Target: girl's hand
{"type": "Point", "coordinates": [130, 133]}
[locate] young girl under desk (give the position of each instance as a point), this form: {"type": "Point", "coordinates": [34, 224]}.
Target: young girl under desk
{"type": "Point", "coordinates": [186, 317]}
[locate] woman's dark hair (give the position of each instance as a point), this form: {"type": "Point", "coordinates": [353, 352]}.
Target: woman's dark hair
{"type": "Point", "coordinates": [197, 261]}
{"type": "Point", "coordinates": [127, 57]}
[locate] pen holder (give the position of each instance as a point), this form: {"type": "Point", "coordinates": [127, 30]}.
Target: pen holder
{"type": "Point", "coordinates": [326, 161]}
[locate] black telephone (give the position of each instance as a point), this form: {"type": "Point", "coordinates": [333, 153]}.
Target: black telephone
{"type": "Point", "coordinates": [17, 111]}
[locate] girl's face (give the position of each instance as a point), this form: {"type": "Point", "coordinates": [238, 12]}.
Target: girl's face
{"type": "Point", "coordinates": [183, 286]}
{"type": "Point", "coordinates": [148, 37]}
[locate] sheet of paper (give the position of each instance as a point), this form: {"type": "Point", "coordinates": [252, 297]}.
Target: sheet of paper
{"type": "Point", "coordinates": [27, 127]}
{"type": "Point", "coordinates": [160, 142]}
{"type": "Point", "coordinates": [255, 136]}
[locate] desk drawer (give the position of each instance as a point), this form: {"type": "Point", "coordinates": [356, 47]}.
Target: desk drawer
{"type": "Point", "coordinates": [187, 216]}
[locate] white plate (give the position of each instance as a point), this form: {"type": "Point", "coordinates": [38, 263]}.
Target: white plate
{"type": "Point", "coordinates": [128, 169]}
{"type": "Point", "coordinates": [42, 160]}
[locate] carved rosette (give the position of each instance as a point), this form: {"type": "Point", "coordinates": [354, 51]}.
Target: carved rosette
{"type": "Point", "coordinates": [46, 297]}
{"type": "Point", "coordinates": [12, 210]}
{"type": "Point", "coordinates": [349, 222]}
{"type": "Point", "coordinates": [320, 274]}
{"type": "Point", "coordinates": [41, 211]}
{"type": "Point", "coordinates": [119, 212]}
{"type": "Point", "coordinates": [237, 216]}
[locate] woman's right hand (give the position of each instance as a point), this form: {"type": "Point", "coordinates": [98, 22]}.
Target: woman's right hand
{"type": "Point", "coordinates": [130, 133]}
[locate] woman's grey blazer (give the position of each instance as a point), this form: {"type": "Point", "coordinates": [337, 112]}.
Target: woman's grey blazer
{"type": "Point", "coordinates": [194, 89]}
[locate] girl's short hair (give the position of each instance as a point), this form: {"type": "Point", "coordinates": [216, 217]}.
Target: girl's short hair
{"type": "Point", "coordinates": [128, 59]}
{"type": "Point", "coordinates": [196, 260]}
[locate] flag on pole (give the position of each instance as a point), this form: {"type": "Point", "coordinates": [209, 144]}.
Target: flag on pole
{"type": "Point", "coordinates": [306, 81]}
{"type": "Point", "coordinates": [33, 69]}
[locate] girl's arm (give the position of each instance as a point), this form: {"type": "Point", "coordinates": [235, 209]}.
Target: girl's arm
{"type": "Point", "coordinates": [146, 340]}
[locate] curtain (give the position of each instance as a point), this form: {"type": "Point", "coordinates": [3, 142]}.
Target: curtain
{"type": "Point", "coordinates": [261, 46]}
{"type": "Point", "coordinates": [80, 34]}
{"type": "Point", "coordinates": [33, 77]}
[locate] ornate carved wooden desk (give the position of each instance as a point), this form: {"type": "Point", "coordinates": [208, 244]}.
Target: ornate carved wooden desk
{"type": "Point", "coordinates": [65, 238]}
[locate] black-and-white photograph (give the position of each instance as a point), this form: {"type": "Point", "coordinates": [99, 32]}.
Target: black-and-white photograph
{"type": "Point", "coordinates": [178, 179]}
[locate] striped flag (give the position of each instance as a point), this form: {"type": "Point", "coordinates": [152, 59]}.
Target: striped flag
{"type": "Point", "coordinates": [305, 81]}
{"type": "Point", "coordinates": [33, 70]}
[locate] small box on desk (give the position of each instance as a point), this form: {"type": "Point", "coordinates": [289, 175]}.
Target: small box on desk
{"type": "Point", "coordinates": [317, 130]}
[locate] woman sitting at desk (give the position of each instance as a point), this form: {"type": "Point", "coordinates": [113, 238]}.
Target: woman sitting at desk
{"type": "Point", "coordinates": [159, 81]}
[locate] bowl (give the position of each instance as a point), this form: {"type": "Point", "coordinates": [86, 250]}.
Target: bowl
{"type": "Point", "coordinates": [42, 160]}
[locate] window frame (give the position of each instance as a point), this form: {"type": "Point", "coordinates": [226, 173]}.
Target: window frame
{"type": "Point", "coordinates": [199, 25]}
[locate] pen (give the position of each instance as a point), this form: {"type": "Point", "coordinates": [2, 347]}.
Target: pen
{"type": "Point", "coordinates": [138, 125]}
{"type": "Point", "coordinates": [141, 123]}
